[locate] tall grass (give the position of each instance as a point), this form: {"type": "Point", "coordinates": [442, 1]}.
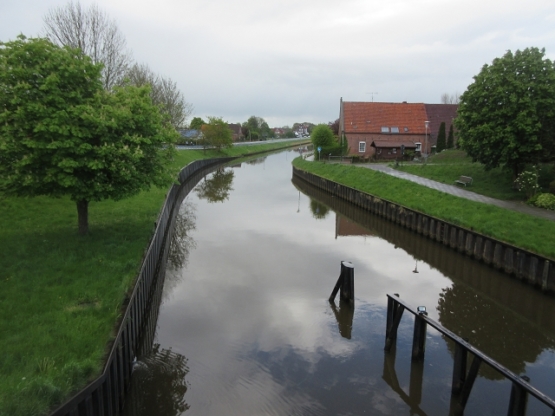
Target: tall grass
{"type": "Point", "coordinates": [522, 230]}
{"type": "Point", "coordinates": [61, 294]}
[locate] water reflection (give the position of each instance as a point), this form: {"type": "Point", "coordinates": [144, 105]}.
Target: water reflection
{"type": "Point", "coordinates": [182, 242]}
{"type": "Point", "coordinates": [344, 316]}
{"type": "Point", "coordinates": [251, 310]}
{"type": "Point", "coordinates": [158, 386]}
{"type": "Point", "coordinates": [319, 210]}
{"type": "Point", "coordinates": [216, 187]}
{"type": "Point", "coordinates": [508, 320]}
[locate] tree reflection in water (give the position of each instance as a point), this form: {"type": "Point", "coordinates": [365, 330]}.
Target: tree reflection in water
{"type": "Point", "coordinates": [158, 385]}
{"type": "Point", "coordinates": [181, 242]}
{"type": "Point", "coordinates": [217, 187]}
{"type": "Point", "coordinates": [492, 329]}
{"type": "Point", "coordinates": [319, 210]}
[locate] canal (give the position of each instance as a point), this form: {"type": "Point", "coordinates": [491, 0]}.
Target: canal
{"type": "Point", "coordinates": [244, 326]}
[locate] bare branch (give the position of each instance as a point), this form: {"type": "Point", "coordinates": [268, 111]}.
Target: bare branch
{"type": "Point", "coordinates": [94, 33]}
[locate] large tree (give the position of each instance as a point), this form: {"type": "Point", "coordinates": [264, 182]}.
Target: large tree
{"type": "Point", "coordinates": [94, 33]}
{"type": "Point", "coordinates": [506, 117]}
{"type": "Point", "coordinates": [216, 133]}
{"type": "Point", "coordinates": [164, 94]}
{"type": "Point", "coordinates": [62, 133]}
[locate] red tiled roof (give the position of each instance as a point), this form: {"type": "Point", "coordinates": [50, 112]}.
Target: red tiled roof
{"type": "Point", "coordinates": [364, 117]}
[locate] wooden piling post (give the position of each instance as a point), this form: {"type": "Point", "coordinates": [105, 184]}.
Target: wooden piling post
{"type": "Point", "coordinates": [345, 283]}
{"type": "Point", "coordinates": [419, 335]}
{"type": "Point", "coordinates": [394, 314]}
{"type": "Point", "coordinates": [519, 399]}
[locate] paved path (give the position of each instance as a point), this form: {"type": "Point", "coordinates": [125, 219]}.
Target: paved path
{"type": "Point", "coordinates": [462, 192]}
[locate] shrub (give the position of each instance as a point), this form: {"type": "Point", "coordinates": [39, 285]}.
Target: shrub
{"type": "Point", "coordinates": [546, 201]}
{"type": "Point", "coordinates": [527, 182]}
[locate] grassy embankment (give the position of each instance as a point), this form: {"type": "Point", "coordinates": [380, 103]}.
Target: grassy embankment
{"type": "Point", "coordinates": [60, 294]}
{"type": "Point", "coordinates": [522, 230]}
{"type": "Point", "coordinates": [497, 183]}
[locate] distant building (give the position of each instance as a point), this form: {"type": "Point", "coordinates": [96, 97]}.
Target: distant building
{"type": "Point", "coordinates": [190, 135]}
{"type": "Point", "coordinates": [380, 130]}
{"type": "Point", "coordinates": [236, 132]}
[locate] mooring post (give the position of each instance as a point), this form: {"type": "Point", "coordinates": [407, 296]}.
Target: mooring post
{"type": "Point", "coordinates": [519, 399]}
{"type": "Point", "coordinates": [345, 282]}
{"type": "Point", "coordinates": [419, 335]}
{"type": "Point", "coordinates": [394, 314]}
{"type": "Point", "coordinates": [459, 368]}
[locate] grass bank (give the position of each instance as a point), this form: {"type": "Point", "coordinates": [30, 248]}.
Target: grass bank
{"type": "Point", "coordinates": [497, 183]}
{"type": "Point", "coordinates": [60, 294]}
{"type": "Point", "coordinates": [531, 233]}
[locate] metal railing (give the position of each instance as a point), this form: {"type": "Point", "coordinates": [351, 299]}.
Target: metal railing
{"type": "Point", "coordinates": [462, 380]}
{"type": "Point", "coordinates": [105, 395]}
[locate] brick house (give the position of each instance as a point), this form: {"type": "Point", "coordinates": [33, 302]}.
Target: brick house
{"type": "Point", "coordinates": [236, 132]}
{"type": "Point", "coordinates": [380, 130]}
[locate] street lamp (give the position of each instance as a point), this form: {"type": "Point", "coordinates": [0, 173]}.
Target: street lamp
{"type": "Point", "coordinates": [426, 125]}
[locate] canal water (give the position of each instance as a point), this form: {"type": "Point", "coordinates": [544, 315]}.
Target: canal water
{"type": "Point", "coordinates": [245, 327]}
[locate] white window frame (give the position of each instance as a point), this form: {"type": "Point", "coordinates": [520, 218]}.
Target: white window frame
{"type": "Point", "coordinates": [362, 147]}
{"type": "Point", "coordinates": [418, 147]}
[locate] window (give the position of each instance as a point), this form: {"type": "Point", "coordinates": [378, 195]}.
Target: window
{"type": "Point", "coordinates": [361, 147]}
{"type": "Point", "coordinates": [406, 129]}
{"type": "Point", "coordinates": [418, 145]}
{"type": "Point", "coordinates": [385, 129]}
{"type": "Point", "coordinates": [394, 129]}
{"type": "Point", "coordinates": [394, 150]}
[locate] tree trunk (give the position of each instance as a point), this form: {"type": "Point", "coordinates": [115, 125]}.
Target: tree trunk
{"type": "Point", "coordinates": [83, 216]}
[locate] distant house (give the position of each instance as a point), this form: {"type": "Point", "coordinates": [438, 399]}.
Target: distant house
{"type": "Point", "coordinates": [382, 130]}
{"type": "Point", "coordinates": [236, 132]}
{"type": "Point", "coordinates": [190, 135]}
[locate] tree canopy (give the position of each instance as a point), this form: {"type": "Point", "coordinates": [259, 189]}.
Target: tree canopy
{"type": "Point", "coordinates": [322, 136]}
{"type": "Point", "coordinates": [216, 133]}
{"type": "Point", "coordinates": [62, 133]}
{"type": "Point", "coordinates": [164, 94]}
{"type": "Point", "coordinates": [441, 139]}
{"type": "Point", "coordinates": [506, 117]}
{"type": "Point", "coordinates": [94, 33]}
{"type": "Point", "coordinates": [196, 123]}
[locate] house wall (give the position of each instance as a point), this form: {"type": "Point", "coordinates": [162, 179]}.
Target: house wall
{"type": "Point", "coordinates": [353, 140]}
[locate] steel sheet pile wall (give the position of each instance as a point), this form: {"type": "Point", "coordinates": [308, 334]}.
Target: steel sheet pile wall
{"type": "Point", "coordinates": [105, 395]}
{"type": "Point", "coordinates": [524, 265]}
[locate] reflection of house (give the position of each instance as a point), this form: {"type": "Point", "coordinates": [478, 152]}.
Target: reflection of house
{"type": "Point", "coordinates": [236, 132]}
{"type": "Point", "coordinates": [381, 129]}
{"type": "Point", "coordinates": [345, 227]}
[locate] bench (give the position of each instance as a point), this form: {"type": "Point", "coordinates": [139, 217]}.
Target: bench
{"type": "Point", "coordinates": [464, 180]}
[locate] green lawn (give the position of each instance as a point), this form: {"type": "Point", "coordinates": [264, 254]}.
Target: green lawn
{"type": "Point", "coordinates": [448, 165]}
{"type": "Point", "coordinates": [521, 230]}
{"type": "Point", "coordinates": [61, 294]}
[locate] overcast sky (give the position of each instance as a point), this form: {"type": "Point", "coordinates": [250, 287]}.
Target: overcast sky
{"type": "Point", "coordinates": [292, 60]}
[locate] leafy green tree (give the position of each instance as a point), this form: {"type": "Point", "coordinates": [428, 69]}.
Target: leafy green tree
{"type": "Point", "coordinates": [322, 136]}
{"type": "Point", "coordinates": [62, 134]}
{"type": "Point", "coordinates": [506, 117]}
{"type": "Point", "coordinates": [441, 143]}
{"type": "Point", "coordinates": [216, 133]}
{"type": "Point", "coordinates": [196, 123]}
{"type": "Point", "coordinates": [450, 138]}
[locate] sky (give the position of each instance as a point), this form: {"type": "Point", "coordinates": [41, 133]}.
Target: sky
{"type": "Point", "coordinates": [292, 61]}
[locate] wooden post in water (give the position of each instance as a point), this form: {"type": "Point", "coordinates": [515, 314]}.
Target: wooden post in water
{"type": "Point", "coordinates": [419, 335]}
{"type": "Point", "coordinates": [345, 282]}
{"type": "Point", "coordinates": [519, 398]}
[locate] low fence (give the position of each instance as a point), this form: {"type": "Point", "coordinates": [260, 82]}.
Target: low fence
{"type": "Point", "coordinates": [524, 265]}
{"type": "Point", "coordinates": [464, 375]}
{"type": "Point", "coordinates": [105, 395]}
